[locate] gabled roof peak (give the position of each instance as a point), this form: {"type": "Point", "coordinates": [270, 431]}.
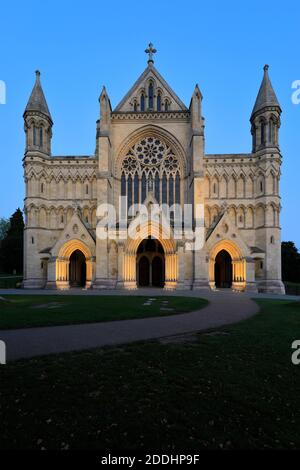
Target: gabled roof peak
{"type": "Point", "coordinates": [266, 95]}
{"type": "Point", "coordinates": [150, 72]}
{"type": "Point", "coordinates": [37, 100]}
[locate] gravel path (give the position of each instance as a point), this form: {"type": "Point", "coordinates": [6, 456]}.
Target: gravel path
{"type": "Point", "coordinates": [225, 307]}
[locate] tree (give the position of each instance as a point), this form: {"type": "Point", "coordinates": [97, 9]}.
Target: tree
{"type": "Point", "coordinates": [290, 262]}
{"type": "Point", "coordinates": [11, 251]}
{"type": "Point", "coordinates": [4, 226]}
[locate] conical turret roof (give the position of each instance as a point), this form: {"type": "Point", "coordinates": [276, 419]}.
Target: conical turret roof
{"type": "Point", "coordinates": [37, 100]}
{"type": "Point", "coordinates": [266, 95]}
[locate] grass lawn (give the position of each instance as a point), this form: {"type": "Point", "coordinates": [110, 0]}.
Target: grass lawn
{"type": "Point", "coordinates": [236, 389]}
{"type": "Point", "coordinates": [23, 311]}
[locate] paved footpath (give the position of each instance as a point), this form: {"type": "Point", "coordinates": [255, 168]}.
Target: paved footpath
{"type": "Point", "coordinates": [225, 307]}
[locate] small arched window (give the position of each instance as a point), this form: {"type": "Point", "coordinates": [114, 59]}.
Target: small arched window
{"type": "Point", "coordinates": [142, 102]}
{"type": "Point", "coordinates": [61, 219]}
{"type": "Point", "coordinates": [166, 105]}
{"type": "Point", "coordinates": [34, 135]}
{"type": "Point", "coordinates": [261, 186]}
{"type": "Point", "coordinates": [215, 188]}
{"type": "Point", "coordinates": [42, 187]}
{"type": "Point", "coordinates": [150, 95]}
{"type": "Point", "coordinates": [262, 133]}
{"type": "Point", "coordinates": [159, 101]}
{"type": "Point", "coordinates": [272, 240]}
{"type": "Point", "coordinates": [135, 106]}
{"type": "Point", "coordinates": [86, 189]}
{"type": "Point", "coordinates": [32, 240]}
{"type": "Point", "coordinates": [271, 131]}
{"type": "Point", "coordinates": [41, 136]}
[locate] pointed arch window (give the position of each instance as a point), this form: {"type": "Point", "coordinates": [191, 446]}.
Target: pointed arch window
{"type": "Point", "coordinates": [158, 101]}
{"type": "Point", "coordinates": [166, 105]}
{"type": "Point", "coordinates": [135, 106]}
{"type": "Point", "coordinates": [142, 102]}
{"type": "Point", "coordinates": [34, 135]}
{"type": "Point", "coordinates": [262, 133]}
{"type": "Point", "coordinates": [271, 131]}
{"type": "Point", "coordinates": [41, 136]}
{"type": "Point", "coordinates": [150, 95]}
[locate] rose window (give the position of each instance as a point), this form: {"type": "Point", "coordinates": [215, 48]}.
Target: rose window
{"type": "Point", "coordinates": [151, 166]}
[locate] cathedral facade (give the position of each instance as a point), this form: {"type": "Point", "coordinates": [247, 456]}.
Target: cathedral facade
{"type": "Point", "coordinates": [150, 150]}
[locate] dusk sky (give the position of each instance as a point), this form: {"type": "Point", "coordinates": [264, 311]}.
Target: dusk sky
{"type": "Point", "coordinates": [79, 46]}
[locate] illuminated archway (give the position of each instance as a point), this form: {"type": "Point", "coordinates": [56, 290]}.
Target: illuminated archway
{"type": "Point", "coordinates": [223, 269]}
{"type": "Point", "coordinates": [63, 263]}
{"type": "Point", "coordinates": [150, 263]}
{"type": "Point", "coordinates": [238, 264]}
{"type": "Point", "coordinates": [156, 231]}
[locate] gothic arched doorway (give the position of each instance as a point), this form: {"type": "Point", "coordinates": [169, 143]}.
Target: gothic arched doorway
{"type": "Point", "coordinates": [150, 263]}
{"type": "Point", "coordinates": [223, 269]}
{"type": "Point", "coordinates": [77, 269]}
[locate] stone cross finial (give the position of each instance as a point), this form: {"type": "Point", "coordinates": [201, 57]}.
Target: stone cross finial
{"type": "Point", "coordinates": [150, 51]}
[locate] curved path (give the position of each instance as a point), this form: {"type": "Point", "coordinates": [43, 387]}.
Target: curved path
{"type": "Point", "coordinates": [224, 308]}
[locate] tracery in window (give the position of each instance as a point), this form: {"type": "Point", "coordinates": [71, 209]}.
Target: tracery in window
{"type": "Point", "coordinates": [151, 166]}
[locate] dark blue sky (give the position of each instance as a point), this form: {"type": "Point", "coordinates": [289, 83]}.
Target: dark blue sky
{"type": "Point", "coordinates": [81, 45]}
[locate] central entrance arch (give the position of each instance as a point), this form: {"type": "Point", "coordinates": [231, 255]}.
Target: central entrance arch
{"type": "Point", "coordinates": [223, 269]}
{"type": "Point", "coordinates": [77, 269]}
{"type": "Point", "coordinates": [150, 263]}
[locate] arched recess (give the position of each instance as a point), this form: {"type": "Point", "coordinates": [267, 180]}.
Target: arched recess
{"type": "Point", "coordinates": [63, 261]}
{"type": "Point", "coordinates": [156, 231]}
{"type": "Point", "coordinates": [238, 263]}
